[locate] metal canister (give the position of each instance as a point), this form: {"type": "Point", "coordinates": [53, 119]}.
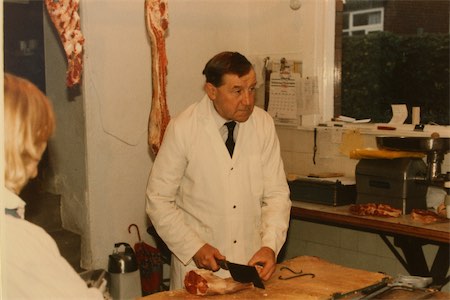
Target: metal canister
{"type": "Point", "coordinates": [125, 282]}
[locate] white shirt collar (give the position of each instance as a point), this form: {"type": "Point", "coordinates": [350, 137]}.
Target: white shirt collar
{"type": "Point", "coordinates": [13, 201]}
{"type": "Point", "coordinates": [217, 118]}
{"type": "Point", "coordinates": [220, 121]}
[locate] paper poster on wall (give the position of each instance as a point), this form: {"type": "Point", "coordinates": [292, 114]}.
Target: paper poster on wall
{"type": "Point", "coordinates": [309, 98]}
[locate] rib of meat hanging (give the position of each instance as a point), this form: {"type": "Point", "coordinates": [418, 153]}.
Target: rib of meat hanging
{"type": "Point", "coordinates": [157, 25]}
{"type": "Point", "coordinates": [65, 18]}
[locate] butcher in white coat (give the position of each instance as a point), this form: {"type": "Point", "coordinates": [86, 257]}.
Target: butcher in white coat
{"type": "Point", "coordinates": [208, 204]}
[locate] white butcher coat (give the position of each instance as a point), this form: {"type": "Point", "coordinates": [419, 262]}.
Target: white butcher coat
{"type": "Point", "coordinates": [198, 194]}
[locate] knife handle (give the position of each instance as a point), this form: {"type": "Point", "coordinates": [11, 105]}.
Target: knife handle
{"type": "Point", "coordinates": [222, 263]}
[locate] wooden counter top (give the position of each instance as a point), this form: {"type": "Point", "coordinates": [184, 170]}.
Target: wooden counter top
{"type": "Point", "coordinates": [329, 279]}
{"type": "Point", "coordinates": [403, 225]}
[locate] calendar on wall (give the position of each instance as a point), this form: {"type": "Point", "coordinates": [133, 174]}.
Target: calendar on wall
{"type": "Point", "coordinates": [284, 94]}
{"type": "Point", "coordinates": [289, 94]}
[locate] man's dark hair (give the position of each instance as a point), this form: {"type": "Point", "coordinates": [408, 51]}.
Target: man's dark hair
{"type": "Point", "coordinates": [226, 63]}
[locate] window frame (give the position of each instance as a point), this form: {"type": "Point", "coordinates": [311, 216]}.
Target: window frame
{"type": "Point", "coordinates": [366, 28]}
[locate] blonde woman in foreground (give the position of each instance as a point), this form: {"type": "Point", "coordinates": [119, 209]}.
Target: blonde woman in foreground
{"type": "Point", "coordinates": [32, 266]}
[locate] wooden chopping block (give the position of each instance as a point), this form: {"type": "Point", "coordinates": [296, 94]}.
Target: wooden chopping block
{"type": "Point", "coordinates": [329, 279]}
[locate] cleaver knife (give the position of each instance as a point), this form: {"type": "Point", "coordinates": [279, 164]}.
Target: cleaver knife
{"type": "Point", "coordinates": [242, 273]}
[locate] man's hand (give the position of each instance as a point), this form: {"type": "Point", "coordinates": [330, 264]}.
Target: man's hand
{"type": "Point", "coordinates": [206, 256]}
{"type": "Point", "coordinates": [264, 257]}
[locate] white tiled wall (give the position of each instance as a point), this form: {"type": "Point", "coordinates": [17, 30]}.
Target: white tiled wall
{"type": "Point", "coordinates": [343, 246]}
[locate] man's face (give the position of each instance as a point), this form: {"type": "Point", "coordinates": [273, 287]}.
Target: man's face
{"type": "Point", "coordinates": [235, 98]}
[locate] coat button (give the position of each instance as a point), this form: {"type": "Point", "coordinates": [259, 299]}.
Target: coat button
{"type": "Point", "coordinates": [234, 242]}
{"type": "Point", "coordinates": [234, 206]}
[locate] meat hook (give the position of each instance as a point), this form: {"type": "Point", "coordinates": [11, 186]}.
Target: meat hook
{"type": "Point", "coordinates": [137, 229]}
{"type": "Point", "coordinates": [296, 274]}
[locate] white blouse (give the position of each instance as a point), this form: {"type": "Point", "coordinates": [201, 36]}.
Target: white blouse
{"type": "Point", "coordinates": [32, 266]}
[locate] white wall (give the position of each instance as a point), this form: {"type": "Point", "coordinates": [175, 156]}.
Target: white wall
{"type": "Point", "coordinates": [306, 34]}
{"type": "Point", "coordinates": [117, 89]}
{"type": "Point", "coordinates": [199, 29]}
{"type": "Point", "coordinates": [117, 93]}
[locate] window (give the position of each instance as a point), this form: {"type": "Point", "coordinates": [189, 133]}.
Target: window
{"type": "Point", "coordinates": [363, 22]}
{"type": "Point", "coordinates": [392, 52]}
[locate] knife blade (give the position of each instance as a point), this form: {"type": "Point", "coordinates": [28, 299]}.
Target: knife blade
{"type": "Point", "coordinates": [362, 291]}
{"type": "Point", "coordinates": [242, 273]}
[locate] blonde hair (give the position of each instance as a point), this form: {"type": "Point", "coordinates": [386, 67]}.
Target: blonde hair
{"type": "Point", "coordinates": [29, 123]}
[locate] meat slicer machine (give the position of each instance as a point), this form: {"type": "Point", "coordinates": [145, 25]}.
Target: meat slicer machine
{"type": "Point", "coordinates": [404, 182]}
{"type": "Point", "coordinates": [435, 149]}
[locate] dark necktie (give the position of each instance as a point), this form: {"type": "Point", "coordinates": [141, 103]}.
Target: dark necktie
{"type": "Point", "coordinates": [230, 141]}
